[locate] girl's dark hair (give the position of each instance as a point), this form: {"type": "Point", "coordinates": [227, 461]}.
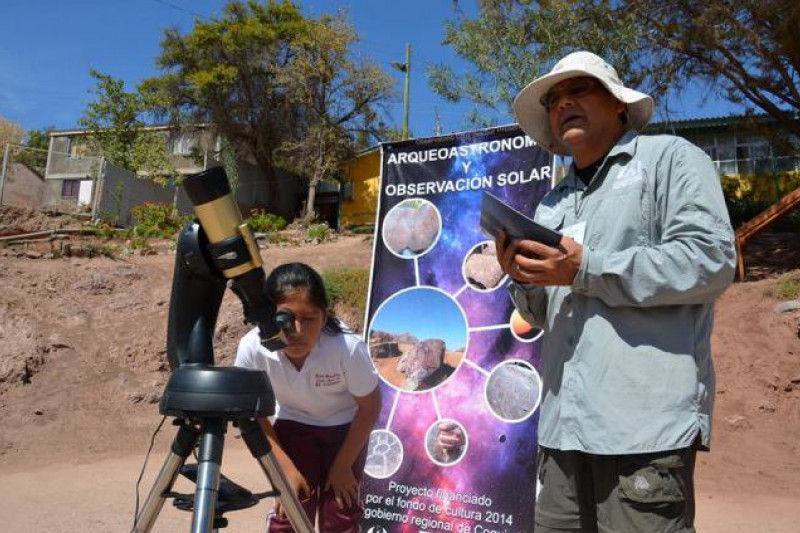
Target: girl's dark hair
{"type": "Point", "coordinates": [301, 276]}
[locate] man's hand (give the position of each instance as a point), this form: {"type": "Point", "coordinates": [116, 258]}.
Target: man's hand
{"type": "Point", "coordinates": [298, 484]}
{"type": "Point", "coordinates": [534, 263]}
{"type": "Point", "coordinates": [343, 482]}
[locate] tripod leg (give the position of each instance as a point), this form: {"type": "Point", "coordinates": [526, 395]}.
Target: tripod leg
{"type": "Point", "coordinates": [181, 448]}
{"type": "Point", "coordinates": [209, 465]}
{"type": "Point", "coordinates": [259, 446]}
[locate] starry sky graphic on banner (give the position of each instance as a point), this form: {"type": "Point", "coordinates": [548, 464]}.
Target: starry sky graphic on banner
{"type": "Point", "coordinates": [492, 482]}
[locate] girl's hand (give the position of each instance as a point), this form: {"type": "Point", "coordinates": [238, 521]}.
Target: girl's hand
{"type": "Point", "coordinates": [343, 483]}
{"type": "Point", "coordinates": [299, 485]}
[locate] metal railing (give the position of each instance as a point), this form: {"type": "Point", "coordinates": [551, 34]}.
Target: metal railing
{"type": "Point", "coordinates": [758, 166]}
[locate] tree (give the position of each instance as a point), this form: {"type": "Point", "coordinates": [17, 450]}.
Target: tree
{"type": "Point", "coordinates": [282, 89]}
{"type": "Point", "coordinates": [745, 50]}
{"type": "Point", "coordinates": [34, 153]}
{"type": "Point", "coordinates": [117, 129]}
{"type": "Point", "coordinates": [337, 98]}
{"type": "Point", "coordinates": [10, 133]}
{"type": "Point", "coordinates": [228, 71]}
{"type": "Point", "coordinates": [510, 43]}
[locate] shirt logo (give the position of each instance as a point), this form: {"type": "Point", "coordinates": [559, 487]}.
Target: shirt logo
{"type": "Point", "coordinates": [546, 214]}
{"type": "Point", "coordinates": [640, 483]}
{"type": "Point", "coordinates": [327, 380]}
{"type": "Point", "coordinates": [629, 176]}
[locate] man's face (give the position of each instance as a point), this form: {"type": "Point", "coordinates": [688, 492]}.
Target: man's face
{"type": "Point", "coordinates": [583, 113]}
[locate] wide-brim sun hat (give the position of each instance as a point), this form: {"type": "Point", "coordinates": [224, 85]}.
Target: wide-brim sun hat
{"type": "Point", "coordinates": [533, 117]}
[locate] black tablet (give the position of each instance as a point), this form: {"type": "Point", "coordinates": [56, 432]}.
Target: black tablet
{"type": "Point", "coordinates": [497, 216]}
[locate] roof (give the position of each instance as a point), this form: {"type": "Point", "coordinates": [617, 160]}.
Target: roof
{"type": "Point", "coordinates": [695, 124]}
{"type": "Point", "coordinates": [154, 127]}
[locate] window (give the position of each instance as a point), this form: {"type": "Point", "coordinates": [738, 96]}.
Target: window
{"type": "Point", "coordinates": [711, 151]}
{"type": "Point", "coordinates": [347, 191]}
{"type": "Point", "coordinates": [183, 144]}
{"type": "Point", "coordinates": [70, 189]}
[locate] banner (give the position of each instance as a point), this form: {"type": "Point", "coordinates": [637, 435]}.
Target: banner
{"type": "Point", "coordinates": [454, 448]}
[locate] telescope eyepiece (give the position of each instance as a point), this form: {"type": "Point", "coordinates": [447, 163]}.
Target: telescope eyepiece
{"type": "Point", "coordinates": [285, 321]}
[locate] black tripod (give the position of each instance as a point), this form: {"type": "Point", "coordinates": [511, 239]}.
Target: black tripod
{"type": "Point", "coordinates": [207, 516]}
{"type": "Point", "coordinates": [205, 398]}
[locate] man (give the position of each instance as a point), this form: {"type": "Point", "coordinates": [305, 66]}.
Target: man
{"type": "Point", "coordinates": [626, 303]}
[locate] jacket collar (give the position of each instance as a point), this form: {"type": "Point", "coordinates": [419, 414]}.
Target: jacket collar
{"type": "Point", "coordinates": [625, 145]}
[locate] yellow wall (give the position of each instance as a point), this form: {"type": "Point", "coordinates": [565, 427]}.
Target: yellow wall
{"type": "Point", "coordinates": [364, 172]}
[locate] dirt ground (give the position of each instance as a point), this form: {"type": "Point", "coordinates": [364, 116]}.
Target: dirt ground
{"type": "Point", "coordinates": [82, 365]}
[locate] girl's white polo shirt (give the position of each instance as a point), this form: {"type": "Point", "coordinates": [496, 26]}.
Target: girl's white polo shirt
{"type": "Point", "coordinates": [321, 392]}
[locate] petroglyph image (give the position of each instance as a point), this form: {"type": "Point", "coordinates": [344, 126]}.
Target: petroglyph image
{"type": "Point", "coordinates": [418, 339]}
{"type": "Point", "coordinates": [481, 270]}
{"type": "Point", "coordinates": [513, 391]}
{"type": "Point", "coordinates": [411, 228]}
{"type": "Point", "coordinates": [384, 454]}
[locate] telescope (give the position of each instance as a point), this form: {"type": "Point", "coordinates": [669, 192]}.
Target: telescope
{"type": "Point", "coordinates": [215, 252]}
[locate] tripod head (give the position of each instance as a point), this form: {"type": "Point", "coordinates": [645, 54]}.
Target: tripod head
{"type": "Point", "coordinates": [218, 252]}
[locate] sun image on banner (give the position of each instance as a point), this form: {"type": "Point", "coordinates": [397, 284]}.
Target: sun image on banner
{"type": "Point", "coordinates": [454, 448]}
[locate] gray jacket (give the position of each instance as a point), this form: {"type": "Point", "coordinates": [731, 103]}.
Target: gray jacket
{"type": "Point", "coordinates": [626, 356]}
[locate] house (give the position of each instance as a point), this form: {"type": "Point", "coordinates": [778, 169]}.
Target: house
{"type": "Point", "coordinates": [77, 178]}
{"type": "Point", "coordinates": [754, 159]}
{"type": "Point", "coordinates": [752, 163]}
{"type": "Point", "coordinates": [360, 188]}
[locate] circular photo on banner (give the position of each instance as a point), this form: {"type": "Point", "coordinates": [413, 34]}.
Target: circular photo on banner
{"type": "Point", "coordinates": [521, 330]}
{"type": "Point", "coordinates": [418, 339]}
{"type": "Point", "coordinates": [513, 390]}
{"type": "Point", "coordinates": [411, 228]}
{"type": "Point", "coordinates": [446, 442]}
{"type": "Point", "coordinates": [480, 269]}
{"type": "Point", "coordinates": [384, 454]}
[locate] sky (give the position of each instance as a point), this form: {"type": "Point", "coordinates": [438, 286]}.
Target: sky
{"type": "Point", "coordinates": [441, 318]}
{"type": "Point", "coordinates": [47, 48]}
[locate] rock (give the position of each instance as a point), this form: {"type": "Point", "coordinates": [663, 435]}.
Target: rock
{"type": "Point", "coordinates": [767, 407]}
{"type": "Point", "coordinates": [738, 422]}
{"type": "Point", "coordinates": [97, 284]}
{"type": "Point", "coordinates": [384, 350]}
{"type": "Point", "coordinates": [424, 359]}
{"type": "Point", "coordinates": [31, 254]}
{"type": "Point", "coordinates": [785, 307]}
{"type": "Point", "coordinates": [483, 270]}
{"type": "Point", "coordinates": [513, 391]}
{"type": "Point", "coordinates": [425, 228]}
{"type": "Point", "coordinates": [383, 345]}
{"type": "Point", "coordinates": [397, 228]}
{"type": "Point", "coordinates": [135, 397]}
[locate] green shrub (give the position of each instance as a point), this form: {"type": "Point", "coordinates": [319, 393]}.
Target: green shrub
{"type": "Point", "coordinates": [788, 286]}
{"type": "Point", "coordinates": [347, 291]}
{"type": "Point", "coordinates": [156, 221]}
{"type": "Point", "coordinates": [264, 222]}
{"type": "Point", "coordinates": [318, 231]}
{"type": "Point", "coordinates": [364, 229]}
{"type": "Point", "coordinates": [106, 250]}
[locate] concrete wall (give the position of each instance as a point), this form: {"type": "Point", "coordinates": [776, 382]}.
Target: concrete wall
{"type": "Point", "coordinates": [120, 190]}
{"type": "Point", "coordinates": [23, 187]}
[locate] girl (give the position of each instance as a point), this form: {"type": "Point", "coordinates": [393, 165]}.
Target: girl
{"type": "Point", "coordinates": [328, 401]}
